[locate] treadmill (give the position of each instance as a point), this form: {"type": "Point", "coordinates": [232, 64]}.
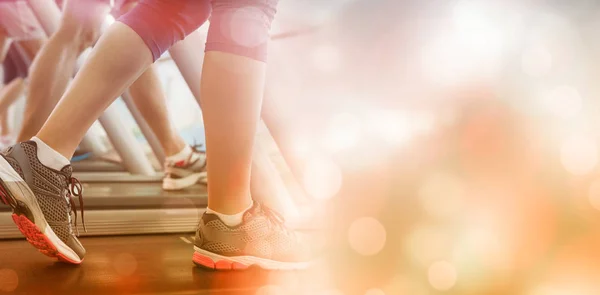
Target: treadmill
{"type": "Point", "coordinates": [123, 197]}
{"type": "Point", "coordinates": [122, 193]}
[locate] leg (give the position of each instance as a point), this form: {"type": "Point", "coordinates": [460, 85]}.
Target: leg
{"type": "Point", "coordinates": [232, 85]}
{"type": "Point", "coordinates": [10, 92]}
{"type": "Point", "coordinates": [4, 126]}
{"type": "Point", "coordinates": [148, 96]}
{"type": "Point", "coordinates": [4, 44]}
{"type": "Point", "coordinates": [13, 88]}
{"type": "Point", "coordinates": [122, 55]}
{"type": "Point", "coordinates": [49, 226]}
{"type": "Point", "coordinates": [231, 115]}
{"type": "Point", "coordinates": [149, 99]}
{"type": "Point", "coordinates": [119, 58]}
{"type": "Point", "coordinates": [54, 65]}
{"type": "Point", "coordinates": [31, 47]}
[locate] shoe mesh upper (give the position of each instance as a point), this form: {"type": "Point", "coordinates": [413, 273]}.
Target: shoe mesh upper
{"type": "Point", "coordinates": [52, 202]}
{"type": "Point", "coordinates": [258, 236]}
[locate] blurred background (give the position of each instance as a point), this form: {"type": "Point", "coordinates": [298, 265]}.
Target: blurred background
{"type": "Point", "coordinates": [446, 146]}
{"type": "Point", "coordinates": [454, 143]}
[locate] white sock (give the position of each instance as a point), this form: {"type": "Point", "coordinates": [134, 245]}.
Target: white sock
{"type": "Point", "coordinates": [231, 220]}
{"type": "Point", "coordinates": [49, 157]}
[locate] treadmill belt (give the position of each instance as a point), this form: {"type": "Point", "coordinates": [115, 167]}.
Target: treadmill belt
{"type": "Point", "coordinates": [159, 264]}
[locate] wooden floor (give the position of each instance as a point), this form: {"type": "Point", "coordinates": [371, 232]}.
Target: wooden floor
{"type": "Point", "coordinates": [159, 264]}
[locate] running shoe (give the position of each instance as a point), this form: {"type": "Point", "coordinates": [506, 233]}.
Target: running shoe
{"type": "Point", "coordinates": [183, 174]}
{"type": "Point", "coordinates": [41, 200]}
{"type": "Point", "coordinates": [262, 240]}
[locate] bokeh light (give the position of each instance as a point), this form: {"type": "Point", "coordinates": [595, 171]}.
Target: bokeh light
{"type": "Point", "coordinates": [564, 102]}
{"type": "Point", "coordinates": [442, 275]}
{"type": "Point", "coordinates": [579, 154]}
{"type": "Point", "coordinates": [9, 280]}
{"type": "Point", "coordinates": [402, 284]}
{"type": "Point", "coordinates": [322, 178]}
{"type": "Point", "coordinates": [482, 37]}
{"type": "Point", "coordinates": [442, 195]}
{"type": "Point", "coordinates": [426, 244]}
{"type": "Point", "coordinates": [344, 132]}
{"type": "Point", "coordinates": [326, 58]}
{"type": "Point", "coordinates": [536, 61]}
{"type": "Point", "coordinates": [367, 236]}
{"type": "Point", "coordinates": [392, 126]}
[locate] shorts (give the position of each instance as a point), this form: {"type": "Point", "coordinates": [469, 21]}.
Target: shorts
{"type": "Point", "coordinates": [237, 27]}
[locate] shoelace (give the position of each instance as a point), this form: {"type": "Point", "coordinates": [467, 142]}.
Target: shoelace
{"type": "Point", "coordinates": [76, 189]}
{"type": "Point", "coordinates": [273, 216]}
{"type": "Point", "coordinates": [196, 147]}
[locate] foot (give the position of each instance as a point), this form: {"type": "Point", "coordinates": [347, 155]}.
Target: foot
{"type": "Point", "coordinates": [40, 198]}
{"type": "Point", "coordinates": [185, 173]}
{"type": "Point", "coordinates": [262, 240]}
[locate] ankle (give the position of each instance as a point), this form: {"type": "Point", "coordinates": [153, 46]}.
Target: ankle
{"type": "Point", "coordinates": [174, 147]}
{"type": "Point", "coordinates": [230, 206]}
{"type": "Point", "coordinates": [231, 219]}
{"type": "Point", "coordinates": [48, 156]}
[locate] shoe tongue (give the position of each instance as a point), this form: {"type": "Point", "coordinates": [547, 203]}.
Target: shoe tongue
{"type": "Point", "coordinates": [252, 211]}
{"type": "Point", "coordinates": [67, 170]}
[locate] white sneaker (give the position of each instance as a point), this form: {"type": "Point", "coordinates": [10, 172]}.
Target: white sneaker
{"type": "Point", "coordinates": [183, 174]}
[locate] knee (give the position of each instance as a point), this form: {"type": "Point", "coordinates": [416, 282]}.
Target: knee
{"type": "Point", "coordinates": [73, 34]}
{"type": "Point", "coordinates": [241, 27]}
{"type": "Point", "coordinates": [81, 25]}
{"type": "Point", "coordinates": [163, 23]}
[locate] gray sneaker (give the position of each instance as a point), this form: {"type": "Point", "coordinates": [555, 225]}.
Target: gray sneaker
{"type": "Point", "coordinates": [262, 240]}
{"type": "Point", "coordinates": [183, 174]}
{"type": "Point", "coordinates": [40, 198]}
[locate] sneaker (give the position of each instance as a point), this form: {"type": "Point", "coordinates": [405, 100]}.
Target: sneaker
{"type": "Point", "coordinates": [262, 240]}
{"type": "Point", "coordinates": [40, 198]}
{"type": "Point", "coordinates": [183, 174]}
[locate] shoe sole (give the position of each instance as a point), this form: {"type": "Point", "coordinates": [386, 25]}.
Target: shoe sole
{"type": "Point", "coordinates": [29, 218]}
{"type": "Point", "coordinates": [173, 184]}
{"type": "Point", "coordinates": [209, 260]}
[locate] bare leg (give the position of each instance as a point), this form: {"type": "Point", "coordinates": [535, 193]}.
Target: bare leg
{"type": "Point", "coordinates": [31, 47]}
{"type": "Point", "coordinates": [149, 98]}
{"type": "Point", "coordinates": [231, 91]}
{"type": "Point", "coordinates": [4, 44]}
{"type": "Point", "coordinates": [10, 93]}
{"type": "Point", "coordinates": [54, 65]}
{"type": "Point", "coordinates": [4, 126]}
{"type": "Point", "coordinates": [15, 88]}
{"type": "Point", "coordinates": [118, 59]}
